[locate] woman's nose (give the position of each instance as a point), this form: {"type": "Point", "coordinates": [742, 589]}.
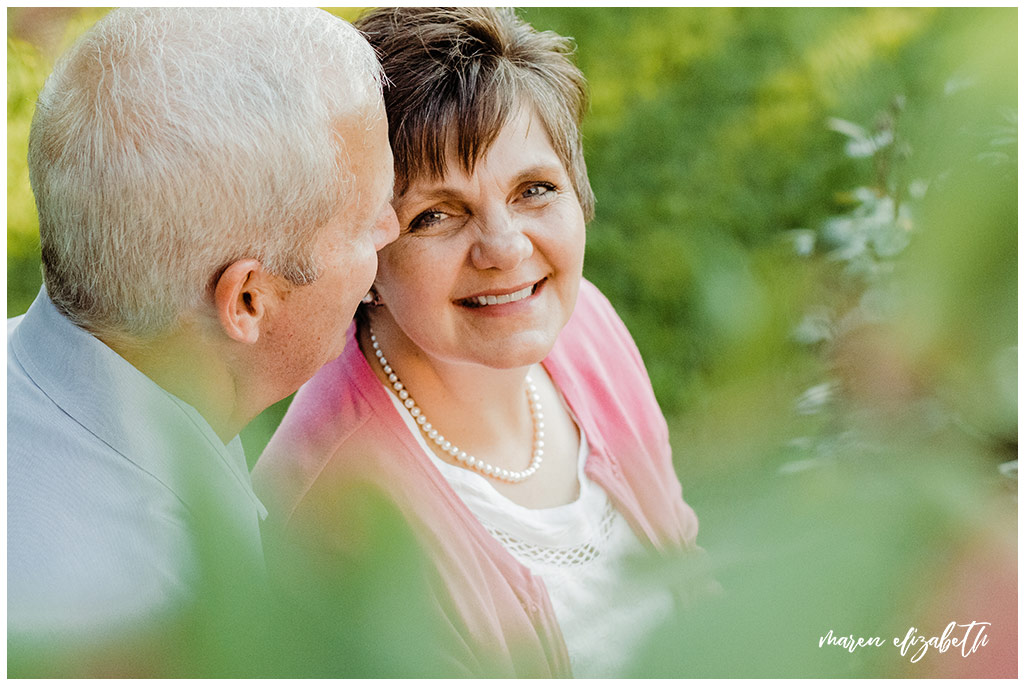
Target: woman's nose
{"type": "Point", "coordinates": [500, 244]}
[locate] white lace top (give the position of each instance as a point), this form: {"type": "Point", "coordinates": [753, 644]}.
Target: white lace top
{"type": "Point", "coordinates": [580, 550]}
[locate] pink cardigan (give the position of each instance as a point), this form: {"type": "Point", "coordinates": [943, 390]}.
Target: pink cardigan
{"type": "Point", "coordinates": [343, 429]}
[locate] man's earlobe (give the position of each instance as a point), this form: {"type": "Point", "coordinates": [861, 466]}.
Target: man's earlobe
{"type": "Point", "coordinates": [240, 299]}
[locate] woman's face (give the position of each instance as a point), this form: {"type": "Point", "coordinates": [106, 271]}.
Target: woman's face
{"type": "Point", "coordinates": [488, 265]}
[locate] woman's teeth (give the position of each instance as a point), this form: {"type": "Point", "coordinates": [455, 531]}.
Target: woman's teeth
{"type": "Point", "coordinates": [485, 300]}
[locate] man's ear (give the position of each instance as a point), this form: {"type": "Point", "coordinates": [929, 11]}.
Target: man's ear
{"type": "Point", "coordinates": [240, 297]}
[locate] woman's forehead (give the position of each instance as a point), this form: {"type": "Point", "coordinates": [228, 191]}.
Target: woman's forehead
{"type": "Point", "coordinates": [455, 136]}
{"type": "Point", "coordinates": [522, 142]}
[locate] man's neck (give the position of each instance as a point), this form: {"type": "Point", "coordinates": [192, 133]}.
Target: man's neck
{"type": "Point", "coordinates": [185, 366]}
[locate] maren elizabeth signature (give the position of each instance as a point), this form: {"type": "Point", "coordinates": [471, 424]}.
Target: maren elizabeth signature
{"type": "Point", "coordinates": [968, 638]}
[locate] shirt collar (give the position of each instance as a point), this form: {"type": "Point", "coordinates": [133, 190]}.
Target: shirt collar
{"type": "Point", "coordinates": [124, 408]}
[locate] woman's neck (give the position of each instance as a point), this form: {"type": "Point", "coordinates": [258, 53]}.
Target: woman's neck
{"type": "Point", "coordinates": [485, 411]}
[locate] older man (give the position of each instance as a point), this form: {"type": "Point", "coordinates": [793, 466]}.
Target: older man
{"type": "Point", "coordinates": [212, 188]}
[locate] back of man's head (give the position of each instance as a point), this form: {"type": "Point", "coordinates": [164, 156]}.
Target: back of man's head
{"type": "Point", "coordinates": [169, 143]}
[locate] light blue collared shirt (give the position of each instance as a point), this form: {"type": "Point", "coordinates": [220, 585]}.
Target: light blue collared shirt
{"type": "Point", "coordinates": [112, 483]}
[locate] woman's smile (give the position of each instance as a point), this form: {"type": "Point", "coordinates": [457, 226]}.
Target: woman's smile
{"type": "Point", "coordinates": [491, 298]}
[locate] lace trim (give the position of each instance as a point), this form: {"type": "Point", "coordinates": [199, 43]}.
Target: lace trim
{"type": "Point", "coordinates": [563, 556]}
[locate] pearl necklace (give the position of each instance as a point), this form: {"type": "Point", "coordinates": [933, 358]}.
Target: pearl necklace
{"type": "Point", "coordinates": [447, 446]}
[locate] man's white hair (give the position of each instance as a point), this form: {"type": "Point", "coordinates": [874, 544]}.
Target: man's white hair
{"type": "Point", "coordinates": [168, 143]}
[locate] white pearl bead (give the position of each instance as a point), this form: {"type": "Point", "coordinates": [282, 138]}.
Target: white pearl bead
{"type": "Point", "coordinates": [398, 386]}
{"type": "Point", "coordinates": [446, 446]}
{"type": "Point", "coordinates": [468, 459]}
{"type": "Point", "coordinates": [427, 427]}
{"type": "Point", "coordinates": [415, 411]}
{"type": "Point", "coordinates": [392, 378]}
{"type": "Point", "coordinates": [432, 433]}
{"type": "Point", "coordinates": [402, 393]}
{"type": "Point", "coordinates": [420, 419]}
{"type": "Point", "coordinates": [409, 403]}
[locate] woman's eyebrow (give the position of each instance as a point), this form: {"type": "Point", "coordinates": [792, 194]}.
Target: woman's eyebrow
{"type": "Point", "coordinates": [540, 171]}
{"type": "Point", "coordinates": [441, 190]}
{"type": "Point", "coordinates": [427, 195]}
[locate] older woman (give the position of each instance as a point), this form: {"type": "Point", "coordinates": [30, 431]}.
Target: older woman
{"type": "Point", "coordinates": [487, 389]}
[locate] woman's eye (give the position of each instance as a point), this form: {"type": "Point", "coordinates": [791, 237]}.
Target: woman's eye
{"type": "Point", "coordinates": [539, 190]}
{"type": "Point", "coordinates": [428, 219]}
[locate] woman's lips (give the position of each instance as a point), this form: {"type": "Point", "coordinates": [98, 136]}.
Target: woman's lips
{"type": "Point", "coordinates": [502, 299]}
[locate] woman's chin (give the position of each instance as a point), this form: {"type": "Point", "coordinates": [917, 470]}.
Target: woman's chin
{"type": "Point", "coordinates": [517, 351]}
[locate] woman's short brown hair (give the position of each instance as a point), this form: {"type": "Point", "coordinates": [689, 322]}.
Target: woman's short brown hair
{"type": "Point", "coordinates": [455, 77]}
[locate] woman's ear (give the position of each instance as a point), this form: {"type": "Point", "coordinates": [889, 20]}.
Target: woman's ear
{"type": "Point", "coordinates": [240, 297]}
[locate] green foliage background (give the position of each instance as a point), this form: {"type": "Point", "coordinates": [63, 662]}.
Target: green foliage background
{"type": "Point", "coordinates": [841, 479]}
